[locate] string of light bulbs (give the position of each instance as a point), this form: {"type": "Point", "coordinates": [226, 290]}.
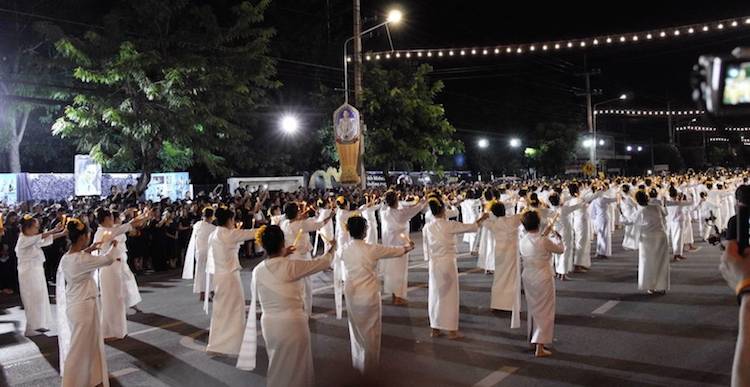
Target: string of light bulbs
{"type": "Point", "coordinates": [699, 128]}
{"type": "Point", "coordinates": [662, 34]}
{"type": "Point", "coordinates": [718, 139]}
{"type": "Point", "coordinates": [642, 112]}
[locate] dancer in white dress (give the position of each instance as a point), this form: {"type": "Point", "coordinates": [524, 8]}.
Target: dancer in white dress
{"type": "Point", "coordinates": [31, 279]}
{"type": "Point", "coordinates": [536, 251]}
{"type": "Point", "coordinates": [82, 359]}
{"type": "Point", "coordinates": [439, 240]}
{"type": "Point", "coordinates": [362, 290]}
{"type": "Point", "coordinates": [276, 284]}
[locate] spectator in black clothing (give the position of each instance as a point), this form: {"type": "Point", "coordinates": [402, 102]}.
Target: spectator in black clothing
{"type": "Point", "coordinates": [8, 261]}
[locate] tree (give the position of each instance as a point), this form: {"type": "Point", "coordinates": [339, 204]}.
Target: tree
{"type": "Point", "coordinates": [405, 127]}
{"type": "Point", "coordinates": [555, 146]}
{"type": "Point", "coordinates": [173, 80]}
{"type": "Point", "coordinates": [26, 68]}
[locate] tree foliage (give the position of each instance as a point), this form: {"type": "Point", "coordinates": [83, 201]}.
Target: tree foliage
{"type": "Point", "coordinates": [172, 81]}
{"type": "Point", "coordinates": [27, 72]}
{"type": "Point", "coordinates": [405, 127]}
{"type": "Point", "coordinates": [555, 145]}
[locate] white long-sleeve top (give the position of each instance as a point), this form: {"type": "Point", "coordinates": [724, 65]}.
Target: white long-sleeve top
{"type": "Point", "coordinates": [223, 249]}
{"type": "Point", "coordinates": [438, 237]}
{"type": "Point", "coordinates": [29, 249]}
{"type": "Point", "coordinates": [78, 270]}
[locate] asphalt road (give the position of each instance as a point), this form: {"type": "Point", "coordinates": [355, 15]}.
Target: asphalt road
{"type": "Point", "coordinates": [607, 333]}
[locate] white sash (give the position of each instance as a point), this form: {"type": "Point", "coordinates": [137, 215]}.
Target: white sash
{"type": "Point", "coordinates": [248, 351]}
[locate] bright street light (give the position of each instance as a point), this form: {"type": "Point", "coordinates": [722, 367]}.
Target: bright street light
{"type": "Point", "coordinates": [629, 148]}
{"type": "Point", "coordinates": [623, 96]}
{"type": "Point", "coordinates": [483, 143]}
{"type": "Point", "coordinates": [289, 124]}
{"type": "Point", "coordinates": [394, 16]}
{"type": "Point", "coordinates": [601, 142]}
{"type": "Point", "coordinates": [515, 143]}
{"type": "Point", "coordinates": [587, 143]}
{"type": "Point", "coordinates": [640, 148]}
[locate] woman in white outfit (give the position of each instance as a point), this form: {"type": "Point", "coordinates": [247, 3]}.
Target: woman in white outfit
{"type": "Point", "coordinates": [197, 253]}
{"type": "Point", "coordinates": [228, 314]}
{"type": "Point", "coordinates": [506, 285]}
{"type": "Point", "coordinates": [276, 284]}
{"type": "Point", "coordinates": [31, 279]}
{"type": "Point", "coordinates": [297, 228]}
{"type": "Point", "coordinates": [395, 222]}
{"type": "Point", "coordinates": [439, 240]}
{"type": "Point", "coordinates": [653, 245]}
{"type": "Point", "coordinates": [113, 279]}
{"type": "Point", "coordinates": [82, 359]}
{"type": "Point", "coordinates": [538, 277]}
{"type": "Point", "coordinates": [362, 290]}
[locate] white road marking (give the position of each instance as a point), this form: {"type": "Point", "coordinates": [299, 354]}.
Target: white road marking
{"type": "Point", "coordinates": [189, 341]}
{"type": "Point", "coordinates": [123, 372]}
{"type": "Point", "coordinates": [172, 324]}
{"type": "Point", "coordinates": [41, 355]}
{"type": "Point", "coordinates": [606, 307]}
{"type": "Point", "coordinates": [496, 377]}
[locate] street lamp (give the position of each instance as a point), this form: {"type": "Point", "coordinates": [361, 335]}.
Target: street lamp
{"type": "Point", "coordinates": [394, 17]}
{"type": "Point", "coordinates": [289, 124]}
{"type": "Point", "coordinates": [514, 143]}
{"type": "Point", "coordinates": [483, 143]}
{"type": "Point", "coordinates": [640, 148]}
{"type": "Point", "coordinates": [629, 148]}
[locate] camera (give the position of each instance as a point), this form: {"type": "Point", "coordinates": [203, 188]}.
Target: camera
{"type": "Point", "coordinates": [721, 84]}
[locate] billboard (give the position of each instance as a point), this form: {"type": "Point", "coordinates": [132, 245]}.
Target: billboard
{"type": "Point", "coordinates": [172, 185]}
{"type": "Point", "coordinates": [88, 176]}
{"type": "Point", "coordinates": [8, 188]}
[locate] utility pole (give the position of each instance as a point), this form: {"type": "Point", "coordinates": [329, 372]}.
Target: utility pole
{"type": "Point", "coordinates": [357, 59]}
{"type": "Point", "coordinates": [669, 124]}
{"type": "Point", "coordinates": [356, 10]}
{"type": "Point", "coordinates": [589, 93]}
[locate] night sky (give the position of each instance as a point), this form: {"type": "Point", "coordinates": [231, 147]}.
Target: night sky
{"type": "Point", "coordinates": [503, 95]}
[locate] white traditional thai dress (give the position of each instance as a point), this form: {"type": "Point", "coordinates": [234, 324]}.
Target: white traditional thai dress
{"type": "Point", "coordinates": [539, 284]}
{"type": "Point", "coordinates": [506, 284]}
{"type": "Point", "coordinates": [113, 283]}
{"type": "Point", "coordinates": [81, 344]}
{"type": "Point", "coordinates": [228, 314]}
{"type": "Point", "coordinates": [470, 211]}
{"type": "Point", "coordinates": [363, 302]}
{"type": "Point", "coordinates": [32, 282]}
{"type": "Point", "coordinates": [628, 206]}
{"type": "Point", "coordinates": [600, 215]}
{"type": "Point", "coordinates": [395, 222]}
{"type": "Point", "coordinates": [439, 244]}
{"type": "Point", "coordinates": [675, 224]}
{"type": "Point", "coordinates": [653, 248]}
{"type": "Point", "coordinates": [197, 254]}
{"type": "Point", "coordinates": [302, 251]}
{"type": "Point", "coordinates": [276, 284]}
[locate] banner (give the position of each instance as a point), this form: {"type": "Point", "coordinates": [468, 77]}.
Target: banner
{"type": "Point", "coordinates": [8, 188]}
{"type": "Point", "coordinates": [88, 176]}
{"type": "Point", "coordinates": [347, 132]}
{"type": "Point", "coordinates": [252, 184]}
{"type": "Point", "coordinates": [172, 185]}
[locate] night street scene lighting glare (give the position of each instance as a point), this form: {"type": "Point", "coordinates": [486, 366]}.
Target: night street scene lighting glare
{"type": "Point", "coordinates": [623, 96]}
{"type": "Point", "coordinates": [629, 148]}
{"type": "Point", "coordinates": [289, 124]}
{"type": "Point", "coordinates": [515, 143]}
{"type": "Point", "coordinates": [394, 16]}
{"type": "Point", "coordinates": [587, 143]}
{"type": "Point", "coordinates": [640, 148]}
{"type": "Point", "coordinates": [483, 143]}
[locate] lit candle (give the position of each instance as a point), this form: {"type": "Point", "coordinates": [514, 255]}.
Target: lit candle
{"type": "Point", "coordinates": [297, 238]}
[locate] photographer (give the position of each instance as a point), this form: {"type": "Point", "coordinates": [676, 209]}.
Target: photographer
{"type": "Point", "coordinates": [735, 267]}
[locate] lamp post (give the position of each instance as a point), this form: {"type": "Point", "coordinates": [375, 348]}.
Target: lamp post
{"type": "Point", "coordinates": [622, 97]}
{"type": "Point", "coordinates": [394, 17]}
